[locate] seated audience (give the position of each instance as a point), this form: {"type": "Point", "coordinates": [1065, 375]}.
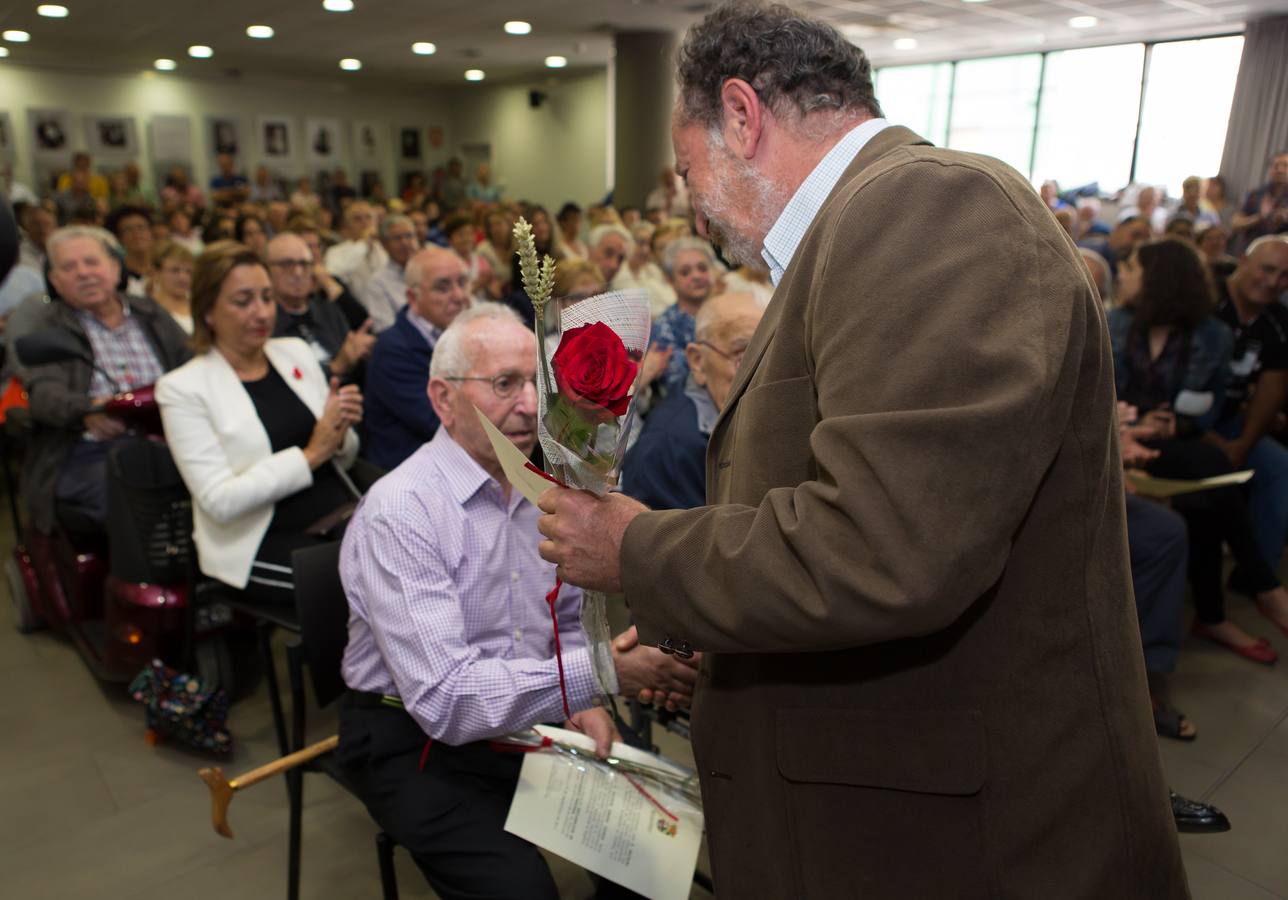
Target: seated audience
{"type": "Point", "coordinates": [386, 290]}
{"type": "Point", "coordinates": [449, 632]}
{"type": "Point", "coordinates": [342, 193]}
{"type": "Point", "coordinates": [1087, 224]}
{"type": "Point", "coordinates": [749, 280]}
{"type": "Point", "coordinates": [1216, 202]}
{"type": "Point", "coordinates": [1100, 274]}
{"type": "Point", "coordinates": [399, 415]}
{"type": "Point", "coordinates": [1257, 388]}
{"type": "Point", "coordinates": [1191, 206]}
{"type": "Point", "coordinates": [183, 233]}
{"type": "Point", "coordinates": [1050, 194]}
{"type": "Point", "coordinates": [666, 468]}
{"type": "Point", "coordinates": [277, 218]}
{"type": "Point", "coordinates": [170, 284]}
{"type": "Point", "coordinates": [180, 191]}
{"type": "Point", "coordinates": [264, 189]}
{"type": "Point", "coordinates": [451, 191]}
{"type": "Point", "coordinates": [481, 189]}
{"type": "Point", "coordinates": [641, 270]}
{"type": "Point", "coordinates": [1212, 241]}
{"type": "Point", "coordinates": [498, 249]}
{"type": "Point", "coordinates": [258, 436]}
{"type": "Point", "coordinates": [308, 314]}
{"type": "Point", "coordinates": [609, 246]}
{"type": "Point", "coordinates": [1125, 237]}
{"type": "Point", "coordinates": [132, 226]}
{"type": "Point", "coordinates": [1171, 361]}
{"type": "Point", "coordinates": [568, 236]}
{"type": "Point", "coordinates": [325, 284]}
{"type": "Point", "coordinates": [358, 256]}
{"type": "Point", "coordinates": [304, 198]}
{"type": "Point", "coordinates": [1265, 209]}
{"type": "Point", "coordinates": [461, 238]}
{"type": "Point", "coordinates": [131, 341]}
{"type": "Point", "coordinates": [35, 225]}
{"type": "Point", "coordinates": [228, 186]}
{"type": "Point", "coordinates": [689, 264]}
{"type": "Point", "coordinates": [71, 201]}
{"type": "Point", "coordinates": [83, 169]}
{"type": "Point", "coordinates": [250, 232]}
{"type": "Point", "coordinates": [669, 197]}
{"type": "Point", "coordinates": [1180, 227]}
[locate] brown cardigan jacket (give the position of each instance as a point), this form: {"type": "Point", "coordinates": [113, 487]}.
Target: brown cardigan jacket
{"type": "Point", "coordinates": [923, 676]}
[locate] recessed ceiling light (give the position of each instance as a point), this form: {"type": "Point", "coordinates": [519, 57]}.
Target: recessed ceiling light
{"type": "Point", "coordinates": [165, 65]}
{"type": "Point", "coordinates": [423, 48]}
{"type": "Point", "coordinates": [4, 51]}
{"type": "Point", "coordinates": [349, 64]}
{"type": "Point", "coordinates": [337, 5]}
{"type": "Point", "coordinates": [905, 43]}
{"type": "Point", "coordinates": [974, 1]}
{"type": "Point", "coordinates": [259, 31]}
{"type": "Point", "coordinates": [16, 37]}
{"type": "Point", "coordinates": [517, 27]}
{"type": "Point", "coordinates": [200, 51]}
{"type": "Point", "coordinates": [474, 75]}
{"type": "Point", "coordinates": [556, 62]}
{"type": "Point", "coordinates": [1084, 22]}
{"type": "Point", "coordinates": [52, 11]}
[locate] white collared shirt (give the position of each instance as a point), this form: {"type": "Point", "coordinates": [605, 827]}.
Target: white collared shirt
{"type": "Point", "coordinates": [788, 232]}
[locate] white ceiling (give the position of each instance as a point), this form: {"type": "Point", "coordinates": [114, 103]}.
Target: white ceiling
{"type": "Point", "coordinates": [125, 35]}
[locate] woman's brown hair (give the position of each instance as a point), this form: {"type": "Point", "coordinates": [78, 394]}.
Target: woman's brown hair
{"type": "Point", "coordinates": [1175, 286]}
{"type": "Point", "coordinates": [208, 275]}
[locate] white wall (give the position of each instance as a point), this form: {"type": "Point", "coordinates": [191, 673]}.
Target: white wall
{"type": "Point", "coordinates": [146, 94]}
{"type": "Point", "coordinates": [549, 155]}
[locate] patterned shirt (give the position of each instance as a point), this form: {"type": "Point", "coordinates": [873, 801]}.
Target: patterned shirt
{"type": "Point", "coordinates": [675, 328]}
{"type": "Point", "coordinates": [788, 232]}
{"type": "Point", "coordinates": [447, 603]}
{"type": "Point", "coordinates": [124, 352]}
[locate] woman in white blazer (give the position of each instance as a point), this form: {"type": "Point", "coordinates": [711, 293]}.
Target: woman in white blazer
{"type": "Point", "coordinates": [257, 433]}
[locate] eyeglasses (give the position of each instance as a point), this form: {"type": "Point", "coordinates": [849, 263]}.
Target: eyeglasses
{"type": "Point", "coordinates": [734, 356]}
{"type": "Point", "coordinates": [289, 264]}
{"type": "Point", "coordinates": [505, 385]}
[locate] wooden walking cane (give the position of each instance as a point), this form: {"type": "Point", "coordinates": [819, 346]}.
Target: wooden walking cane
{"type": "Point", "coordinates": [221, 789]}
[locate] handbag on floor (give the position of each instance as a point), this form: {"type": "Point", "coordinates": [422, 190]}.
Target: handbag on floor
{"type": "Point", "coordinates": [176, 706]}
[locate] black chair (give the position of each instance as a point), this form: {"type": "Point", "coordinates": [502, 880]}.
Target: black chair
{"type": "Point", "coordinates": [323, 613]}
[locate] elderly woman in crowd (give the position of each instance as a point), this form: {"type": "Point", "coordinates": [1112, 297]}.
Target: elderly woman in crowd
{"type": "Point", "coordinates": [1171, 361]}
{"type": "Point", "coordinates": [460, 234]}
{"type": "Point", "coordinates": [259, 437]}
{"type": "Point", "coordinates": [498, 248]}
{"type": "Point", "coordinates": [171, 282]}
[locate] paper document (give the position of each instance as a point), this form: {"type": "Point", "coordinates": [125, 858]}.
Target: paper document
{"type": "Point", "coordinates": [514, 463]}
{"type": "Point", "coordinates": [622, 827]}
{"type": "Point", "coordinates": [1149, 486]}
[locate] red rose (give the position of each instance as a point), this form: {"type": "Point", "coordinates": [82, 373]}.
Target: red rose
{"type": "Point", "coordinates": [594, 371]}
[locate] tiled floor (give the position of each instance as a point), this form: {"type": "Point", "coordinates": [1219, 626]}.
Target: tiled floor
{"type": "Point", "coordinates": [88, 810]}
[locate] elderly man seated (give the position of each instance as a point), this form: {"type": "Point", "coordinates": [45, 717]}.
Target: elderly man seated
{"type": "Point", "coordinates": [690, 266]}
{"type": "Point", "coordinates": [609, 246]}
{"type": "Point", "coordinates": [386, 291]}
{"type": "Point", "coordinates": [310, 315]}
{"type": "Point", "coordinates": [359, 256]}
{"type": "Point", "coordinates": [450, 638]}
{"type": "Point", "coordinates": [131, 341]}
{"type": "Point", "coordinates": [666, 469]}
{"type": "Point", "coordinates": [1127, 235]}
{"type": "Point", "coordinates": [399, 415]}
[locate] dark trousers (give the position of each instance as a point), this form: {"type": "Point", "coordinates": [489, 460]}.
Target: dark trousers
{"type": "Point", "coordinates": [1214, 517]}
{"type": "Point", "coordinates": [82, 484]}
{"type": "Point", "coordinates": [450, 814]}
{"type": "Point", "coordinates": [1156, 537]}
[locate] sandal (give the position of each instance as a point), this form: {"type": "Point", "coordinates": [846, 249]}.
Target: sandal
{"type": "Point", "coordinates": [1170, 722]}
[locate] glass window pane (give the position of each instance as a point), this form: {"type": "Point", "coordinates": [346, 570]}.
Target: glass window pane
{"type": "Point", "coordinates": [1187, 107]}
{"type": "Point", "coordinates": [917, 98]}
{"type": "Point", "coordinates": [1087, 123]}
{"type": "Point", "coordinates": [994, 107]}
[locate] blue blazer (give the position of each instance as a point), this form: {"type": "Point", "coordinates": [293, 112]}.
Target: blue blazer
{"type": "Point", "coordinates": [397, 412]}
{"type": "Point", "coordinates": [667, 467]}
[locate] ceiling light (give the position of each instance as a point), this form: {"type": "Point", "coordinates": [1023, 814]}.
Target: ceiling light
{"type": "Point", "coordinates": [259, 31]}
{"type": "Point", "coordinates": [556, 62]}
{"type": "Point", "coordinates": [51, 11]}
{"type": "Point", "coordinates": [905, 43]}
{"type": "Point", "coordinates": [974, 1]}
{"type": "Point", "coordinates": [474, 75]}
{"type": "Point", "coordinates": [423, 48]}
{"type": "Point", "coordinates": [517, 27]}
{"type": "Point", "coordinates": [349, 64]}
{"type": "Point", "coordinates": [200, 51]}
{"type": "Point", "coordinates": [16, 37]}
{"type": "Point", "coordinates": [4, 51]}
{"type": "Point", "coordinates": [165, 65]}
{"type": "Point", "coordinates": [1084, 22]}
{"type": "Point", "coordinates": [337, 5]}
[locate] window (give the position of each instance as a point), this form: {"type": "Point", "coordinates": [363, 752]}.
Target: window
{"type": "Point", "coordinates": [1087, 118]}
{"type": "Point", "coordinates": [917, 98]}
{"type": "Point", "coordinates": [994, 107]}
{"type": "Point", "coordinates": [1188, 91]}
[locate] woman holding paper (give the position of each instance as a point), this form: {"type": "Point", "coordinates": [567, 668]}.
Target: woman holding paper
{"type": "Point", "coordinates": [1171, 361]}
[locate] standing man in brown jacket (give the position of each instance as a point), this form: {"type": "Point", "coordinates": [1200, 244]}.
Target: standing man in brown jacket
{"type": "Point", "coordinates": [922, 672]}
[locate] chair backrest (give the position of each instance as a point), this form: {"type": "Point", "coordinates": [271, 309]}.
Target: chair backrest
{"type": "Point", "coordinates": [323, 612]}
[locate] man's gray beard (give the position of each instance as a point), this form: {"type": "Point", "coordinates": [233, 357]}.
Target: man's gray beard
{"type": "Point", "coordinates": [736, 248]}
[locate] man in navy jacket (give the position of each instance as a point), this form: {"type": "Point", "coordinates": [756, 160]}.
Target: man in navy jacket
{"type": "Point", "coordinates": [398, 416]}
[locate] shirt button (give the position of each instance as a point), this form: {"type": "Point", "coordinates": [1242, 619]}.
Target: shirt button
{"type": "Point", "coordinates": [514, 576]}
{"type": "Point", "coordinates": [518, 634]}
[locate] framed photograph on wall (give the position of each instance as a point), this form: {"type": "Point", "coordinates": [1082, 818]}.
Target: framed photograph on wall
{"type": "Point", "coordinates": [409, 143]}
{"type": "Point", "coordinates": [8, 140]}
{"type": "Point", "coordinates": [171, 139]}
{"type": "Point", "coordinates": [111, 136]}
{"type": "Point", "coordinates": [276, 138]}
{"type": "Point", "coordinates": [322, 141]}
{"type": "Point", "coordinates": [368, 143]}
{"type": "Point", "coordinates": [224, 133]}
{"type": "Point", "coordinates": [51, 133]}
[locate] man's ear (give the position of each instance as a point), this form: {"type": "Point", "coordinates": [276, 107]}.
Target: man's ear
{"type": "Point", "coordinates": [693, 353]}
{"type": "Point", "coordinates": [744, 117]}
{"type": "Point", "coordinates": [440, 397]}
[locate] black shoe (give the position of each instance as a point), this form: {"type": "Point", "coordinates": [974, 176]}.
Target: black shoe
{"type": "Point", "coordinates": [1194, 817]}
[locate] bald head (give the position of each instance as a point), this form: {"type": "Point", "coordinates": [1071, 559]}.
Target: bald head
{"type": "Point", "coordinates": [724, 327]}
{"type": "Point", "coordinates": [1263, 275]}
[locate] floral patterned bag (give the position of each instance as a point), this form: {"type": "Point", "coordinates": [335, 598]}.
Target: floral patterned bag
{"type": "Point", "coordinates": [177, 707]}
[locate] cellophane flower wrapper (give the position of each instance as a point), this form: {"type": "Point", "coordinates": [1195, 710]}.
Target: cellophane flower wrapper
{"type": "Point", "coordinates": [592, 353]}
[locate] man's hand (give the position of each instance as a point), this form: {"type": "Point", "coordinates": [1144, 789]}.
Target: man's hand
{"type": "Point", "coordinates": [1134, 453]}
{"type": "Point", "coordinates": [102, 426]}
{"type": "Point", "coordinates": [1236, 451]}
{"type": "Point", "coordinates": [1157, 423]}
{"type": "Point", "coordinates": [585, 536]}
{"type": "Point", "coordinates": [651, 676]}
{"type": "Point", "coordinates": [597, 724]}
{"type": "Point", "coordinates": [655, 362]}
{"type": "Point", "coordinates": [356, 347]}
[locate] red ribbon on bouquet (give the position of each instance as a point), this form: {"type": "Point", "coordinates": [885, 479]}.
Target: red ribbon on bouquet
{"type": "Point", "coordinates": [551, 598]}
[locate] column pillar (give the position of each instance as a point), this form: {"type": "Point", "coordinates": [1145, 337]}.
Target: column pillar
{"type": "Point", "coordinates": [643, 95]}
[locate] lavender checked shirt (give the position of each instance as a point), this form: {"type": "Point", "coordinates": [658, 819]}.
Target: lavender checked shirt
{"type": "Point", "coordinates": [447, 606]}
